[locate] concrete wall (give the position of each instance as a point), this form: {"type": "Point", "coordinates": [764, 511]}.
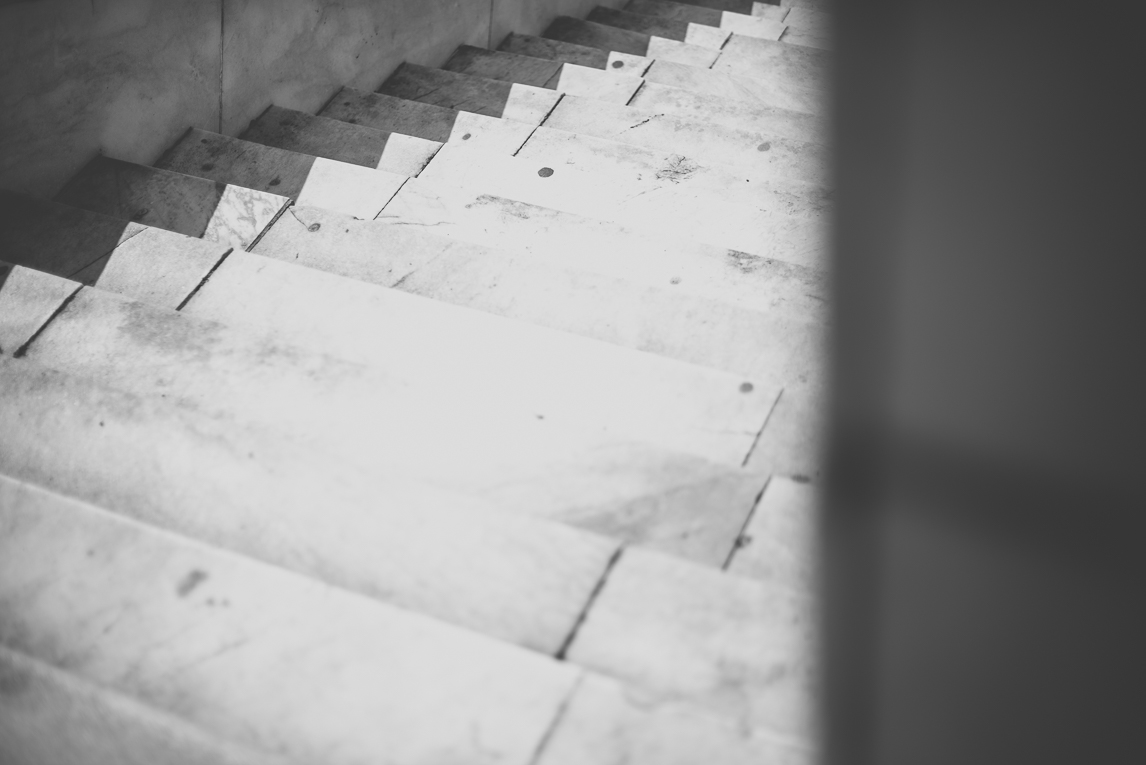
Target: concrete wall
{"type": "Point", "coordinates": [127, 77]}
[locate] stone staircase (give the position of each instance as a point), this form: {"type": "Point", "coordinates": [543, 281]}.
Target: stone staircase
{"type": "Point", "coordinates": [470, 420]}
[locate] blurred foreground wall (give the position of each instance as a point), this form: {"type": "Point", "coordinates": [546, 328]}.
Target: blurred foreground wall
{"type": "Point", "coordinates": [983, 538]}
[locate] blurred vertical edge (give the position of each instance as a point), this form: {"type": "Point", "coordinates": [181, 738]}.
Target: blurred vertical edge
{"type": "Point", "coordinates": [982, 536]}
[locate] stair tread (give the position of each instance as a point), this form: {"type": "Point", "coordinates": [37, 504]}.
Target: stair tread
{"type": "Point", "coordinates": [28, 299]}
{"type": "Point", "coordinates": [809, 27]}
{"type": "Point", "coordinates": [762, 59]}
{"type": "Point", "coordinates": [181, 203]}
{"type": "Point", "coordinates": [480, 95]}
{"type": "Point", "coordinates": [572, 53]}
{"type": "Point", "coordinates": [626, 169]}
{"type": "Point", "coordinates": [562, 77]}
{"type": "Point", "coordinates": [326, 675]}
{"type": "Point", "coordinates": [371, 530]}
{"type": "Point", "coordinates": [756, 152]}
{"type": "Point", "coordinates": [565, 240]}
{"type": "Point", "coordinates": [609, 38]}
{"type": "Point", "coordinates": [777, 90]}
{"type": "Point", "coordinates": [742, 649]}
{"type": "Point", "coordinates": [534, 284]}
{"type": "Point", "coordinates": [51, 716]}
{"type": "Point", "coordinates": [309, 180]}
{"type": "Point", "coordinates": [697, 14]}
{"type": "Point", "coordinates": [778, 545]}
{"type": "Point", "coordinates": [501, 65]}
{"type": "Point", "coordinates": [681, 31]}
{"type": "Point", "coordinates": [321, 136]}
{"type": "Point", "coordinates": [608, 721]}
{"type": "Point", "coordinates": [716, 219]}
{"type": "Point", "coordinates": [740, 115]}
{"type": "Point", "coordinates": [422, 119]}
{"type": "Point", "coordinates": [159, 266]}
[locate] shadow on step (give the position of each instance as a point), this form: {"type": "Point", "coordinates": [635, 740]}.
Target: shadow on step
{"type": "Point", "coordinates": [48, 237]}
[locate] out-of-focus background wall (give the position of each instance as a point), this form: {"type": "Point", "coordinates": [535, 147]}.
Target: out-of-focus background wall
{"type": "Point", "coordinates": [127, 77]}
{"type": "Point", "coordinates": [983, 538]}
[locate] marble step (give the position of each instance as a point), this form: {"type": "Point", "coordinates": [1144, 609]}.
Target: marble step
{"type": "Point", "coordinates": [319, 136]}
{"type": "Point", "coordinates": [766, 59]}
{"type": "Point", "coordinates": [607, 721]}
{"type": "Point", "coordinates": [48, 715]}
{"type": "Point", "coordinates": [800, 92]}
{"type": "Point", "coordinates": [436, 123]}
{"type": "Point", "coordinates": [482, 352]}
{"type": "Point", "coordinates": [156, 265]}
{"type": "Point", "coordinates": [196, 207]}
{"type": "Point", "coordinates": [255, 654]}
{"type": "Point", "coordinates": [766, 25]}
{"type": "Point", "coordinates": [754, 152]}
{"type": "Point", "coordinates": [655, 264]}
{"type": "Point", "coordinates": [502, 65]}
{"type": "Point", "coordinates": [740, 115]}
{"type": "Point", "coordinates": [780, 347]}
{"type": "Point", "coordinates": [226, 370]}
{"type": "Point", "coordinates": [681, 31]}
{"type": "Point", "coordinates": [480, 95]}
{"type": "Point", "coordinates": [308, 180]}
{"type": "Point", "coordinates": [710, 16]}
{"type": "Point", "coordinates": [691, 188]}
{"type": "Point", "coordinates": [611, 38]}
{"type": "Point", "coordinates": [720, 220]}
{"type": "Point", "coordinates": [743, 649]}
{"type": "Point", "coordinates": [564, 78]}
{"type": "Point", "coordinates": [369, 529]}
{"type": "Point", "coordinates": [779, 543]}
{"type": "Point", "coordinates": [810, 27]}
{"type": "Point", "coordinates": [571, 53]}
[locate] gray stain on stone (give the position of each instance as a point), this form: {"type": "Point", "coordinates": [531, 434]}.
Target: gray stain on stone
{"type": "Point", "coordinates": [193, 579]}
{"type": "Point", "coordinates": [545, 172]}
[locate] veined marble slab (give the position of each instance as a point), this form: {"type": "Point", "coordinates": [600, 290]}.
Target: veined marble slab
{"type": "Point", "coordinates": [739, 115]}
{"type": "Point", "coordinates": [53, 716]}
{"type": "Point", "coordinates": [427, 120]}
{"type": "Point", "coordinates": [613, 723]}
{"type": "Point", "coordinates": [741, 649]}
{"type": "Point", "coordinates": [502, 65]}
{"type": "Point", "coordinates": [608, 38]}
{"type": "Point", "coordinates": [258, 655]}
{"type": "Point", "coordinates": [371, 528]}
{"type": "Point", "coordinates": [308, 180]}
{"type": "Point", "coordinates": [754, 151]}
{"type": "Point", "coordinates": [681, 31]}
{"type": "Point", "coordinates": [791, 443]}
{"type": "Point", "coordinates": [764, 59]}
{"type": "Point", "coordinates": [319, 136]}
{"type": "Point", "coordinates": [480, 95]}
{"type": "Point", "coordinates": [774, 91]}
{"type": "Point", "coordinates": [191, 206]}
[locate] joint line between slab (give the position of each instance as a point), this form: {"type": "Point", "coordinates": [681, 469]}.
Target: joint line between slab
{"type": "Point", "coordinates": [204, 280]}
{"type": "Point", "coordinates": [756, 441]}
{"type": "Point", "coordinates": [612, 564]}
{"type": "Point", "coordinates": [558, 718]}
{"type": "Point", "coordinates": [737, 543]}
{"type": "Point", "coordinates": [22, 351]}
